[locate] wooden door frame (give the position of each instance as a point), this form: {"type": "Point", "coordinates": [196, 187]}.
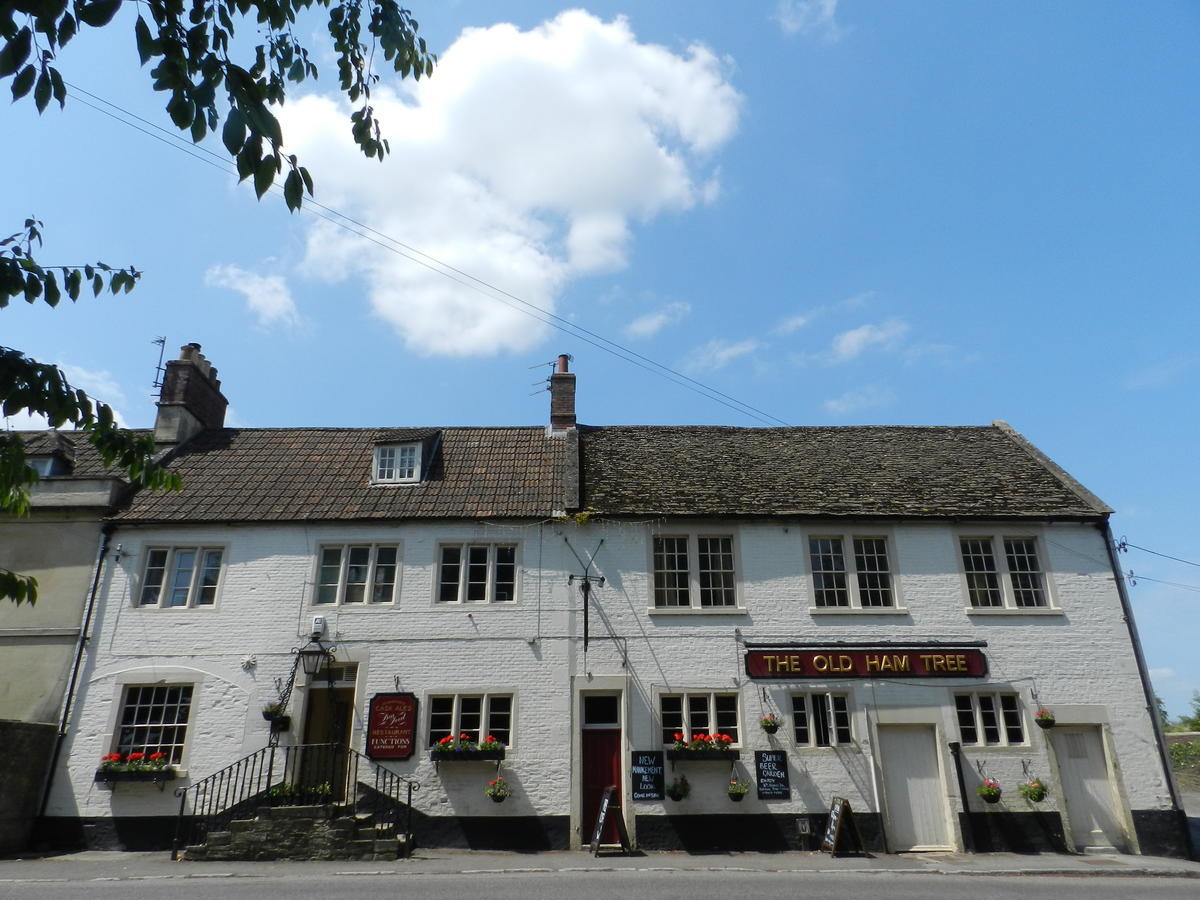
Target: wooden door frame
{"type": "Point", "coordinates": [950, 820]}
{"type": "Point", "coordinates": [582, 685]}
{"type": "Point", "coordinates": [1120, 803]}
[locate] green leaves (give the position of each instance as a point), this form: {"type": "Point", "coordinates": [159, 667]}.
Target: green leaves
{"type": "Point", "coordinates": [97, 13]}
{"type": "Point", "coordinates": [22, 276]}
{"type": "Point", "coordinates": [188, 42]}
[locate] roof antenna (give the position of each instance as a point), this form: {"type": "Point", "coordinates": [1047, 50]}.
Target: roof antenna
{"type": "Point", "coordinates": [158, 371]}
{"type": "Point", "coordinates": [543, 385]}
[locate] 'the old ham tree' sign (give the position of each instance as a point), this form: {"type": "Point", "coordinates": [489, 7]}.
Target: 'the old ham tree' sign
{"type": "Point", "coordinates": [882, 662]}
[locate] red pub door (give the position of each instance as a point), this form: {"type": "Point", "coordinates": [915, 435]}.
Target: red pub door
{"type": "Point", "coordinates": [601, 751]}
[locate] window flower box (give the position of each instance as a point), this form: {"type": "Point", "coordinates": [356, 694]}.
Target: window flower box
{"type": "Point", "coordinates": [110, 777]}
{"type": "Point", "coordinates": [465, 755]}
{"type": "Point", "coordinates": [703, 755]}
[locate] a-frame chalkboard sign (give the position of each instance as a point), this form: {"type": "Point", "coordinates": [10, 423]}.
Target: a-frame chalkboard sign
{"type": "Point", "coordinates": [605, 805]}
{"type": "Point", "coordinates": [840, 828]}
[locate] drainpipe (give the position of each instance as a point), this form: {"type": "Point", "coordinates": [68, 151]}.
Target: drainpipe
{"type": "Point", "coordinates": [1147, 687]}
{"type": "Point", "coordinates": [968, 832]}
{"type": "Point", "coordinates": [106, 532]}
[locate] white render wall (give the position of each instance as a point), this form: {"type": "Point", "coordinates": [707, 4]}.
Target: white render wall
{"type": "Point", "coordinates": [1078, 660]}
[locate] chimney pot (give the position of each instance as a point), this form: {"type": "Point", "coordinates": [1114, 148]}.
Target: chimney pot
{"type": "Point", "coordinates": [562, 396]}
{"type": "Point", "coordinates": [191, 400]}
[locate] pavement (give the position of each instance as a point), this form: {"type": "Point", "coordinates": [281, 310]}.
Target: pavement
{"type": "Point", "coordinates": [96, 865]}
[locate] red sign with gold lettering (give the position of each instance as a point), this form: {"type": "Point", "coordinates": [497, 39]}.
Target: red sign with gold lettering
{"type": "Point", "coordinates": [884, 662]}
{"type": "Point", "coordinates": [392, 726]}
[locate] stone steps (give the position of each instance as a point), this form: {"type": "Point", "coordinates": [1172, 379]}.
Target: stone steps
{"type": "Point", "coordinates": [299, 833]}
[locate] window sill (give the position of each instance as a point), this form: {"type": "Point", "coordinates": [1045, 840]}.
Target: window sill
{"type": "Point", "coordinates": [858, 611]}
{"type": "Point", "coordinates": [697, 611]}
{"type": "Point", "coordinates": [1013, 611]}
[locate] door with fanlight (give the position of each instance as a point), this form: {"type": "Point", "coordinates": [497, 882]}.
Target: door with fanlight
{"type": "Point", "coordinates": [601, 763]}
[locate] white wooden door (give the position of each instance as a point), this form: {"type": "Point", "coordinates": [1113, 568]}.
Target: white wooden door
{"type": "Point", "coordinates": [914, 793]}
{"type": "Point", "coordinates": [1086, 788]}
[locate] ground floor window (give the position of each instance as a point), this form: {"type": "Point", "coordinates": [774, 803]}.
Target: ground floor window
{"type": "Point", "coordinates": [703, 713]}
{"type": "Point", "coordinates": [993, 719]}
{"type": "Point", "coordinates": [154, 719]}
{"type": "Point", "coordinates": [475, 715]}
{"type": "Point", "coordinates": [820, 720]}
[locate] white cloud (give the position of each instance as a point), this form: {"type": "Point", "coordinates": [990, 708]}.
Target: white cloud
{"type": "Point", "coordinates": [525, 160]}
{"type": "Point", "coordinates": [809, 17]}
{"type": "Point", "coordinates": [853, 343]}
{"type": "Point", "coordinates": [1163, 674]}
{"type": "Point", "coordinates": [26, 421]}
{"type": "Point", "coordinates": [717, 354]}
{"type": "Point", "coordinates": [1161, 373]}
{"type": "Point", "coordinates": [792, 324]}
{"type": "Point", "coordinates": [651, 324]}
{"type": "Point", "coordinates": [860, 399]}
{"type": "Point", "coordinates": [267, 296]}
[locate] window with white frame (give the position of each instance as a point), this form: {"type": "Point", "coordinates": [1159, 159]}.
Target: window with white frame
{"type": "Point", "coordinates": [475, 715]}
{"type": "Point", "coordinates": [358, 573]}
{"type": "Point", "coordinates": [707, 583]}
{"type": "Point", "coordinates": [700, 713]}
{"type": "Point", "coordinates": [860, 579]}
{"type": "Point", "coordinates": [989, 719]}
{"type": "Point", "coordinates": [181, 576]}
{"type": "Point", "coordinates": [1011, 579]}
{"type": "Point", "coordinates": [154, 719]}
{"type": "Point", "coordinates": [397, 464]}
{"type": "Point", "coordinates": [820, 719]}
{"type": "Point", "coordinates": [477, 573]}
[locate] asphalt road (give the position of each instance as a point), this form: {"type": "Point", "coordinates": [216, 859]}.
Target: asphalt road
{"type": "Point", "coordinates": [605, 885]}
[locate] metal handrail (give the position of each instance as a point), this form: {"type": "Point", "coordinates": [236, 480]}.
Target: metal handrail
{"type": "Point", "coordinates": [294, 775]}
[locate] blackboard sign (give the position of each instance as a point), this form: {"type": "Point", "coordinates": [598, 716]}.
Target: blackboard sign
{"type": "Point", "coordinates": [841, 821]}
{"type": "Point", "coordinates": [647, 771]}
{"type": "Point", "coordinates": [771, 775]}
{"type": "Point", "coordinates": [622, 834]}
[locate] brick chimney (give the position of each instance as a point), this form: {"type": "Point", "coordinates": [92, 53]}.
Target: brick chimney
{"type": "Point", "coordinates": [191, 400]}
{"type": "Point", "coordinates": [562, 396]}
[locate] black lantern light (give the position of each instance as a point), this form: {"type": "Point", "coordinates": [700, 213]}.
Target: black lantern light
{"type": "Point", "coordinates": [313, 654]}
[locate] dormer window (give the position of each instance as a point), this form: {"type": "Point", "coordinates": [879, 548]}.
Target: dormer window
{"type": "Point", "coordinates": [48, 466]}
{"type": "Point", "coordinates": [398, 463]}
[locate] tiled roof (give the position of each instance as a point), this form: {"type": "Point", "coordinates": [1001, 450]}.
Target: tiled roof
{"type": "Point", "coordinates": [987, 471]}
{"type": "Point", "coordinates": [74, 445]}
{"type": "Point", "coordinates": [314, 474]}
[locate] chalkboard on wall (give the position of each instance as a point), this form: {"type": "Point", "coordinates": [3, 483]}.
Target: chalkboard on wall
{"type": "Point", "coordinates": [771, 775]}
{"type": "Point", "coordinates": [647, 772]}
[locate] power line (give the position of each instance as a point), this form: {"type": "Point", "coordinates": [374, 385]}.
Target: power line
{"type": "Point", "coordinates": [433, 264]}
{"type": "Point", "coordinates": [1124, 544]}
{"type": "Point", "coordinates": [1134, 579]}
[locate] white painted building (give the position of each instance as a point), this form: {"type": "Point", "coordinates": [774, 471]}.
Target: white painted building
{"type": "Point", "coordinates": [904, 600]}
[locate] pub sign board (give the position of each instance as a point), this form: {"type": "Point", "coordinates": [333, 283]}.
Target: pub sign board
{"type": "Point", "coordinates": [771, 775]}
{"type": "Point", "coordinates": [647, 771]}
{"type": "Point", "coordinates": [392, 726]}
{"type": "Point", "coordinates": [884, 662]}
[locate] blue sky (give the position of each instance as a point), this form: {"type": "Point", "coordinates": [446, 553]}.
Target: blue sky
{"type": "Point", "coordinates": [837, 212]}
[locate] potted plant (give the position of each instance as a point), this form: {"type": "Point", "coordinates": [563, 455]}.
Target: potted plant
{"type": "Point", "coordinates": [273, 710]}
{"type": "Point", "coordinates": [679, 788]}
{"type": "Point", "coordinates": [769, 723]}
{"type": "Point", "coordinates": [464, 747]}
{"type": "Point", "coordinates": [737, 790]}
{"type": "Point", "coordinates": [1044, 718]}
{"type": "Point", "coordinates": [989, 790]}
{"type": "Point", "coordinates": [498, 789]}
{"type": "Point", "coordinates": [134, 766]}
{"type": "Point", "coordinates": [702, 745]}
{"type": "Point", "coordinates": [1034, 790]}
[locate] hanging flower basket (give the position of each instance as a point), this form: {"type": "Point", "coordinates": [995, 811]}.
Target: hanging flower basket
{"type": "Point", "coordinates": [989, 791]}
{"type": "Point", "coordinates": [1034, 790]}
{"type": "Point", "coordinates": [678, 788]}
{"type": "Point", "coordinates": [498, 789]}
{"type": "Point", "coordinates": [1044, 718]}
{"type": "Point", "coordinates": [769, 723]}
{"type": "Point", "coordinates": [737, 790]}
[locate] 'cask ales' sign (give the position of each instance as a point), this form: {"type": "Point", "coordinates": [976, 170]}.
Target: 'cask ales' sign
{"type": "Point", "coordinates": [392, 726]}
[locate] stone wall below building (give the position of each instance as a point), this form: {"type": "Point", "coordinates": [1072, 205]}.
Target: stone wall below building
{"type": "Point", "coordinates": [28, 747]}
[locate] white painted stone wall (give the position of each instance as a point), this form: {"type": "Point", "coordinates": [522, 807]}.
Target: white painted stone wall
{"type": "Point", "coordinates": [1078, 660]}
